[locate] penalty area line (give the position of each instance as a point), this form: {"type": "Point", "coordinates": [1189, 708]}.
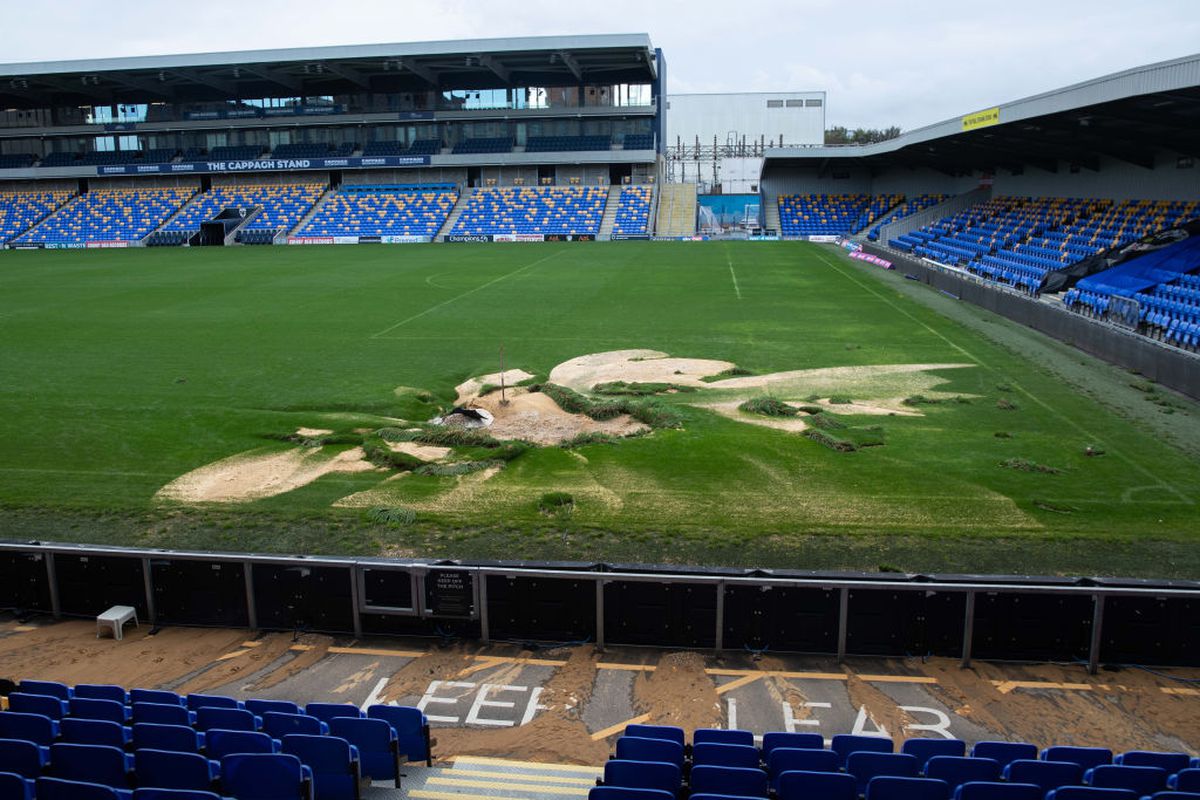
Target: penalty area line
{"type": "Point", "coordinates": [479, 288]}
{"type": "Point", "coordinates": [737, 289]}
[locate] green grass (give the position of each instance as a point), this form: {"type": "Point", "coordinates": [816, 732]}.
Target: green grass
{"type": "Point", "coordinates": [120, 371]}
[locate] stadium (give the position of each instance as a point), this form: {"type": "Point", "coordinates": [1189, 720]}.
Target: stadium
{"type": "Point", "coordinates": [408, 401]}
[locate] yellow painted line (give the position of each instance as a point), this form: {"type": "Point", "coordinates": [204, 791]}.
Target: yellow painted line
{"type": "Point", "coordinates": [1004, 687]}
{"type": "Point", "coordinates": [234, 654]}
{"type": "Point", "coordinates": [25, 628]}
{"type": "Point", "coordinates": [738, 683]}
{"type": "Point", "coordinates": [378, 651]}
{"type": "Point", "coordinates": [627, 667]}
{"type": "Point", "coordinates": [251, 644]}
{"type": "Point", "coordinates": [816, 676]}
{"type": "Point", "coordinates": [898, 678]}
{"type": "Point", "coordinates": [508, 762]}
{"type": "Point", "coordinates": [508, 776]}
{"type": "Point", "coordinates": [620, 726]}
{"type": "Point", "coordinates": [425, 794]}
{"type": "Point", "coordinates": [1179, 691]}
{"type": "Point", "coordinates": [503, 784]}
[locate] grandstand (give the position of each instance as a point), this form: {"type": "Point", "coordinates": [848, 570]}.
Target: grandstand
{"type": "Point", "coordinates": [21, 210]}
{"type": "Point", "coordinates": [107, 215]}
{"type": "Point", "coordinates": [383, 211]}
{"type": "Point", "coordinates": [565, 210]}
{"type": "Point", "coordinates": [831, 215]}
{"type": "Point", "coordinates": [633, 211]}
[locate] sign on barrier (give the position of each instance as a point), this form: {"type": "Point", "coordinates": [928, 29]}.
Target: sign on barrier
{"type": "Point", "coordinates": [469, 237]}
{"type": "Point", "coordinates": [264, 165]}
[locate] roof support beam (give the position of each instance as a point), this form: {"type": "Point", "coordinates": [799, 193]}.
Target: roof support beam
{"type": "Point", "coordinates": [570, 63]}
{"type": "Point", "coordinates": [420, 71]}
{"type": "Point", "coordinates": [291, 84]}
{"type": "Point", "coordinates": [83, 87]}
{"type": "Point", "coordinates": [502, 72]}
{"type": "Point", "coordinates": [346, 73]}
{"type": "Point", "coordinates": [161, 90]}
{"type": "Point", "coordinates": [195, 76]}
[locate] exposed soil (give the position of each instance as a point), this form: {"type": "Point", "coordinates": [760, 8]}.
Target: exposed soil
{"type": "Point", "coordinates": [882, 710]}
{"type": "Point", "coordinates": [255, 474]}
{"type": "Point", "coordinates": [679, 692]}
{"type": "Point", "coordinates": [469, 389]}
{"type": "Point", "coordinates": [270, 647]}
{"type": "Point", "coordinates": [438, 664]}
{"type": "Point", "coordinates": [535, 417]}
{"type": "Point", "coordinates": [425, 452]}
{"type": "Point", "coordinates": [319, 646]}
{"type": "Point", "coordinates": [556, 735]}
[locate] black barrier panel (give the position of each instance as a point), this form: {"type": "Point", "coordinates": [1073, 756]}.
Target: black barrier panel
{"type": "Point", "coordinates": [664, 614]}
{"type": "Point", "coordinates": [302, 597]}
{"type": "Point", "coordinates": [450, 593]}
{"type": "Point", "coordinates": [1150, 630]}
{"type": "Point", "coordinates": [447, 630]}
{"type": "Point", "coordinates": [190, 592]}
{"type": "Point", "coordinates": [388, 588]}
{"type": "Point", "coordinates": [781, 618]}
{"type": "Point", "coordinates": [88, 584]}
{"type": "Point", "coordinates": [541, 609]}
{"type": "Point", "coordinates": [23, 582]}
{"type": "Point", "coordinates": [1032, 627]}
{"type": "Point", "coordinates": [895, 623]}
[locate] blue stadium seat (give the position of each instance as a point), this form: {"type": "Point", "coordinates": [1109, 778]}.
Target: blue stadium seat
{"type": "Point", "coordinates": [48, 788]}
{"type": "Point", "coordinates": [334, 762]}
{"type": "Point", "coordinates": [219, 743]}
{"type": "Point", "coordinates": [108, 215]}
{"type": "Point", "coordinates": [31, 727]}
{"type": "Point", "coordinates": [1005, 753]}
{"type": "Point", "coordinates": [866, 765]}
{"type": "Point", "coordinates": [195, 702]}
{"type": "Point", "coordinates": [743, 781]}
{"type": "Point", "coordinates": [1143, 780]}
{"type": "Point", "coordinates": [957, 770]}
{"type": "Point", "coordinates": [1046, 774]}
{"type": "Point", "coordinates": [23, 758]}
{"type": "Point", "coordinates": [1086, 757]}
{"type": "Point", "coordinates": [328, 711]}
{"type": "Point", "coordinates": [174, 794]}
{"type": "Point", "coordinates": [633, 211]}
{"type": "Point", "coordinates": [93, 763]}
{"type": "Point", "coordinates": [891, 787]}
{"type": "Point", "coordinates": [169, 769]}
{"type": "Point", "coordinates": [627, 793]}
{"type": "Point", "coordinates": [94, 731]}
{"type": "Point", "coordinates": [643, 774]}
{"type": "Point", "coordinates": [722, 736]}
{"type": "Point", "coordinates": [1171, 795]}
{"type": "Point", "coordinates": [793, 759]}
{"type": "Point", "coordinates": [802, 785]}
{"type": "Point", "coordinates": [1186, 780]}
{"type": "Point", "coordinates": [280, 725]}
{"type": "Point", "coordinates": [260, 707]}
{"type": "Point", "coordinates": [258, 776]}
{"type": "Point", "coordinates": [376, 743]}
{"type": "Point", "coordinates": [177, 738]}
{"type": "Point", "coordinates": [845, 743]}
{"type": "Point", "coordinates": [725, 755]}
{"type": "Point", "coordinates": [1171, 762]}
{"type": "Point", "coordinates": [411, 727]}
{"type": "Point", "coordinates": [1090, 793]}
{"type": "Point", "coordinates": [925, 749]}
{"type": "Point", "coordinates": [15, 787]}
{"type": "Point", "coordinates": [635, 748]}
{"type": "Point", "coordinates": [42, 704]}
{"type": "Point", "coordinates": [512, 210]}
{"type": "Point", "coordinates": [156, 696]}
{"type": "Point", "coordinates": [110, 710]}
{"type": "Point", "coordinates": [668, 732]}
{"type": "Point", "coordinates": [232, 719]}
{"type": "Point", "coordinates": [792, 741]}
{"type": "Point", "coordinates": [998, 791]}
{"type": "Point", "coordinates": [163, 714]}
{"type": "Point", "coordinates": [102, 691]}
{"type": "Point", "coordinates": [47, 688]}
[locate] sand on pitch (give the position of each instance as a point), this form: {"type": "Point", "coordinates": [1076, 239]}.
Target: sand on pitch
{"type": "Point", "coordinates": [425, 452]}
{"type": "Point", "coordinates": [535, 417]}
{"type": "Point", "coordinates": [255, 475]}
{"type": "Point", "coordinates": [469, 389]}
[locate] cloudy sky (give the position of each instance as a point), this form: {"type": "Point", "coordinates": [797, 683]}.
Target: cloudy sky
{"type": "Point", "coordinates": [883, 62]}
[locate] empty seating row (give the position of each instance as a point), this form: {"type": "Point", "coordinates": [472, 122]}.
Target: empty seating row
{"type": "Point", "coordinates": [551, 144]}
{"type": "Point", "coordinates": [633, 211]}
{"type": "Point", "coordinates": [638, 141]}
{"type": "Point", "coordinates": [383, 211]}
{"type": "Point", "coordinates": [20, 210]}
{"type": "Point", "coordinates": [419, 147]}
{"type": "Point", "coordinates": [108, 215]}
{"type": "Point", "coordinates": [540, 210]}
{"type": "Point", "coordinates": [282, 205]}
{"type": "Point", "coordinates": [831, 214]}
{"type": "Point", "coordinates": [313, 150]}
{"type": "Point", "coordinates": [906, 209]}
{"type": "Point", "coordinates": [482, 146]}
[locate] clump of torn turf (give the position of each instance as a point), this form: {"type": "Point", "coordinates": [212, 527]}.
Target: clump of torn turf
{"type": "Point", "coordinates": [379, 454]}
{"type": "Point", "coordinates": [556, 503]}
{"type": "Point", "coordinates": [591, 437]}
{"type": "Point", "coordinates": [318, 440]}
{"type": "Point", "coordinates": [834, 443]}
{"type": "Point", "coordinates": [768, 407]}
{"type": "Point", "coordinates": [394, 516]}
{"type": "Point", "coordinates": [1004, 404]}
{"type": "Point", "coordinates": [457, 468]}
{"type": "Point", "coordinates": [922, 400]}
{"type": "Point", "coordinates": [635, 389]}
{"type": "Point", "coordinates": [1054, 508]}
{"type": "Point", "coordinates": [1025, 465]}
{"type": "Point", "coordinates": [649, 412]}
{"type": "Point", "coordinates": [826, 422]}
{"type": "Point", "coordinates": [732, 372]}
{"type": "Point", "coordinates": [840, 400]}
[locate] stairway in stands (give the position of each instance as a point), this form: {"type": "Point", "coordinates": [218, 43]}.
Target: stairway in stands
{"type": "Point", "coordinates": [771, 212]}
{"type": "Point", "coordinates": [455, 213]}
{"type": "Point", "coordinates": [477, 776]}
{"type": "Point", "coordinates": [609, 220]}
{"type": "Point", "coordinates": [198, 197]}
{"type": "Point", "coordinates": [326, 193]}
{"type": "Point", "coordinates": [676, 210]}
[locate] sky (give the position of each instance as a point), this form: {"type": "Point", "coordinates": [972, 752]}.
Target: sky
{"type": "Point", "coordinates": [883, 62]}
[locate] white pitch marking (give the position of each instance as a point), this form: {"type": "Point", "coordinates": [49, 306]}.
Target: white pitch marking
{"type": "Point", "coordinates": [373, 697]}
{"type": "Point", "coordinates": [733, 275]}
{"type": "Point", "coordinates": [464, 294]}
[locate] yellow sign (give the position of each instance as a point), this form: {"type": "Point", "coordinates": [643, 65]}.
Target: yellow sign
{"type": "Point", "coordinates": [981, 119]}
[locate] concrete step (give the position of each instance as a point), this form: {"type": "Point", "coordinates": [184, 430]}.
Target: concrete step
{"type": "Point", "coordinates": [455, 213]}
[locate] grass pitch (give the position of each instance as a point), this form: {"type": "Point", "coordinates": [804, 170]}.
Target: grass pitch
{"type": "Point", "coordinates": [121, 371]}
